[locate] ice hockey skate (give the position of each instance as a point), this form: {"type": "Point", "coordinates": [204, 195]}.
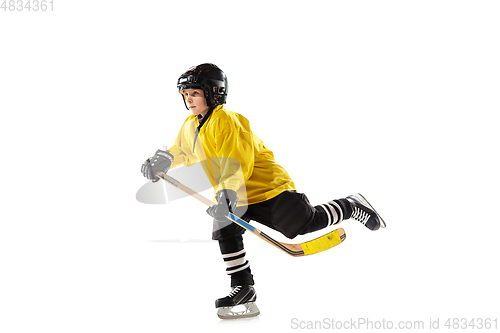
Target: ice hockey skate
{"type": "Point", "coordinates": [240, 296]}
{"type": "Point", "coordinates": [363, 212]}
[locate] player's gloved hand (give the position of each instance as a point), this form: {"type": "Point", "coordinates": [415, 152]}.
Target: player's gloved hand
{"type": "Point", "coordinates": [159, 163]}
{"type": "Point", "coordinates": [226, 203]}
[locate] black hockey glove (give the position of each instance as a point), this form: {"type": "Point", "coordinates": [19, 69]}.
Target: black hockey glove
{"type": "Point", "coordinates": [160, 163]}
{"type": "Point", "coordinates": [226, 203]}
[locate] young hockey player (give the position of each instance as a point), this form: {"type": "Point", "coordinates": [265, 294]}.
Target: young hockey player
{"type": "Point", "coordinates": [247, 181]}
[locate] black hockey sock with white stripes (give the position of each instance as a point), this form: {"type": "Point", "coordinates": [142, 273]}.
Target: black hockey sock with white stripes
{"type": "Point", "coordinates": [237, 266]}
{"type": "Point", "coordinates": [332, 212]}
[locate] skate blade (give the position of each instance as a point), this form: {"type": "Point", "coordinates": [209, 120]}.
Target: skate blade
{"type": "Point", "coordinates": [251, 310]}
{"type": "Point", "coordinates": [363, 199]}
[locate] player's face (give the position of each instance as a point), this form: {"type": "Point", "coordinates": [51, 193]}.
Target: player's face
{"type": "Point", "coordinates": [195, 101]}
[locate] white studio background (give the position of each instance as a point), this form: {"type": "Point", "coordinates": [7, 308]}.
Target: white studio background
{"type": "Point", "coordinates": [394, 99]}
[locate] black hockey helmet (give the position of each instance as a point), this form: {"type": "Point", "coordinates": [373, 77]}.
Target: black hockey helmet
{"type": "Point", "coordinates": [210, 79]}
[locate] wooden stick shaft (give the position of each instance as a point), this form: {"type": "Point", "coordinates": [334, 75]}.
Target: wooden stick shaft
{"type": "Point", "coordinates": [186, 189]}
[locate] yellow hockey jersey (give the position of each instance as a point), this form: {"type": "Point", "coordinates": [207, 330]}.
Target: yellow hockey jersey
{"type": "Point", "coordinates": [232, 156]}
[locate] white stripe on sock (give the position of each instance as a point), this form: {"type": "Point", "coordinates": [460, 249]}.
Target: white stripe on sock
{"type": "Point", "coordinates": [239, 269]}
{"type": "Point", "coordinates": [236, 262]}
{"type": "Point", "coordinates": [229, 255]}
{"type": "Point", "coordinates": [341, 217]}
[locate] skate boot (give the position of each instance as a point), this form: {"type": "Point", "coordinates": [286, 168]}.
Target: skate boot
{"type": "Point", "coordinates": [363, 212]}
{"type": "Point", "coordinates": [242, 296]}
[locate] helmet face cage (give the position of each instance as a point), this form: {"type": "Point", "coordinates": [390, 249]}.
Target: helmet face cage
{"type": "Point", "coordinates": [208, 78]}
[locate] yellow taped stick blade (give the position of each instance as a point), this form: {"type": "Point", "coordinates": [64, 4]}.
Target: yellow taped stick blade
{"type": "Point", "coordinates": [324, 242]}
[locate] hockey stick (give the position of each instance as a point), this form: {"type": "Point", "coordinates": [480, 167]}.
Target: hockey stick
{"type": "Point", "coordinates": [319, 244]}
